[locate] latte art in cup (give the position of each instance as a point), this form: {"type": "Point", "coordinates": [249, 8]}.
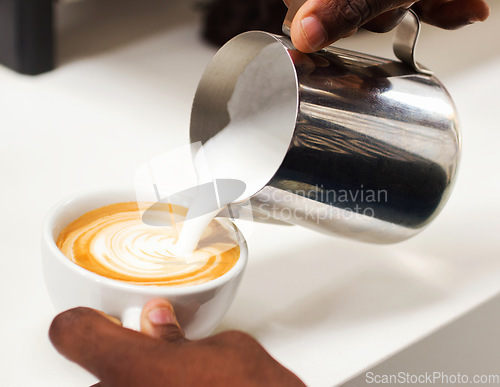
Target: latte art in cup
{"type": "Point", "coordinates": [114, 242]}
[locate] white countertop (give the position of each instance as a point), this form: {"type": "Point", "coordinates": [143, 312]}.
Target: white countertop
{"type": "Point", "coordinates": [326, 307]}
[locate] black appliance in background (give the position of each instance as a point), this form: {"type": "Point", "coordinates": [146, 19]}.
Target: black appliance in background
{"type": "Point", "coordinates": [27, 35]}
{"type": "Point", "coordinates": [27, 38]}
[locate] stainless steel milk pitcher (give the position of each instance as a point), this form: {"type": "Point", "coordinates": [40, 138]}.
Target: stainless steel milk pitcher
{"type": "Point", "coordinates": [338, 141]}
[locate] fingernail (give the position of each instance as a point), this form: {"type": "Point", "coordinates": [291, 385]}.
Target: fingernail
{"type": "Point", "coordinates": [313, 31]}
{"type": "Point", "coordinates": [114, 320]}
{"type": "Point", "coordinates": [474, 19]}
{"type": "Point", "coordinates": [110, 318]}
{"type": "Point", "coordinates": [162, 316]}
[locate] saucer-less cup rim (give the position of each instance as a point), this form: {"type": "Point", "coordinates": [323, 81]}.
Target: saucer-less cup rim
{"type": "Point", "coordinates": [57, 211]}
{"type": "Point", "coordinates": [58, 218]}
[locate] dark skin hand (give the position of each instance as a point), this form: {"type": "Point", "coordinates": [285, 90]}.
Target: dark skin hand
{"type": "Point", "coordinates": [319, 23]}
{"type": "Point", "coordinates": [160, 355]}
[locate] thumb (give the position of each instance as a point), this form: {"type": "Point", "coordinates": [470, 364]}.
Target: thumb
{"type": "Point", "coordinates": [158, 320]}
{"type": "Point", "coordinates": [319, 23]}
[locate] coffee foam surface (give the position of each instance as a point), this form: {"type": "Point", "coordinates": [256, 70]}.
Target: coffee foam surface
{"type": "Point", "coordinates": [114, 242]}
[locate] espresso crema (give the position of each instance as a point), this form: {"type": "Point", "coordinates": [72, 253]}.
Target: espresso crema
{"type": "Point", "coordinates": [114, 242]}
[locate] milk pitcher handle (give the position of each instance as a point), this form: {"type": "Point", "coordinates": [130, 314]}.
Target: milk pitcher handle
{"type": "Point", "coordinates": [405, 39]}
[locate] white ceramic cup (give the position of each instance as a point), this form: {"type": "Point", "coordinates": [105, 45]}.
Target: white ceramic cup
{"type": "Point", "coordinates": [199, 308]}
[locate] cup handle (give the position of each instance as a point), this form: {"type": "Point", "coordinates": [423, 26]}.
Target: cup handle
{"type": "Point", "coordinates": [131, 318]}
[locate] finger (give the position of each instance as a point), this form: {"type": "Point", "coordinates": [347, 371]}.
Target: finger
{"type": "Point", "coordinates": [452, 14]}
{"type": "Point", "coordinates": [386, 21]}
{"type": "Point", "coordinates": [319, 23]}
{"type": "Point", "coordinates": [158, 320]}
{"type": "Point", "coordinates": [110, 318]}
{"type": "Point", "coordinates": [98, 344]}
